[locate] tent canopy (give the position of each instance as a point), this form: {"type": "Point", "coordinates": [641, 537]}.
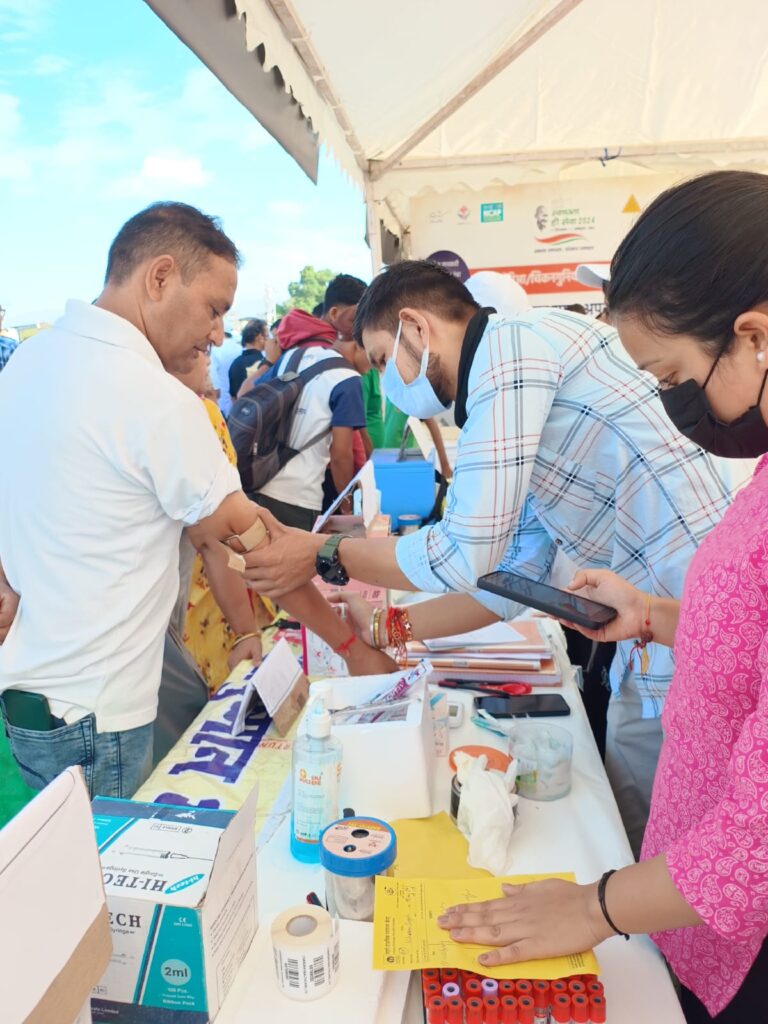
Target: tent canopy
{"type": "Point", "coordinates": [438, 94]}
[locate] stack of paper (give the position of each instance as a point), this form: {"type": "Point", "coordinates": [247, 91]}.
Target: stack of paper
{"type": "Point", "coordinates": [502, 653]}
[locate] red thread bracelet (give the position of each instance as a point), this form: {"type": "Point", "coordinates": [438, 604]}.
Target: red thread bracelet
{"type": "Point", "coordinates": [343, 649]}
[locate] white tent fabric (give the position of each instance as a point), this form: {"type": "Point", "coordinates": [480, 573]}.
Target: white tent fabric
{"type": "Point", "coordinates": [534, 89]}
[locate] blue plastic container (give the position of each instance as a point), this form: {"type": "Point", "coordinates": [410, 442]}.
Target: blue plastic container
{"type": "Point", "coordinates": [406, 487]}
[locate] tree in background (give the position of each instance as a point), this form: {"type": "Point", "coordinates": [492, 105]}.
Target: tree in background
{"type": "Point", "coordinates": [307, 291]}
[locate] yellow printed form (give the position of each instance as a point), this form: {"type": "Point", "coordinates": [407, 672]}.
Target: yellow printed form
{"type": "Point", "coordinates": [407, 937]}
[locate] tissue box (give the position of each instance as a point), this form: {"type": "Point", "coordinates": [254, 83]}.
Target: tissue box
{"type": "Point", "coordinates": [181, 896]}
{"type": "Point", "coordinates": [387, 767]}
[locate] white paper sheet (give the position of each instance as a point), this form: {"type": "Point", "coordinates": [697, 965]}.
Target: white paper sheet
{"type": "Point", "coordinates": [272, 680]}
{"type": "Point", "coordinates": [498, 634]}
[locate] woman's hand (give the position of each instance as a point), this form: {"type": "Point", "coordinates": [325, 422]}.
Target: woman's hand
{"type": "Point", "coordinates": [607, 588]}
{"type": "Point", "coordinates": [358, 613]}
{"type": "Point", "coordinates": [250, 648]}
{"type": "Point", "coordinates": [530, 922]}
{"type": "Point", "coordinates": [363, 660]}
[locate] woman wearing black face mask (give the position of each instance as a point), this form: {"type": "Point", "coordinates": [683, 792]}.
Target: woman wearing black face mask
{"type": "Point", "coordinates": [689, 296]}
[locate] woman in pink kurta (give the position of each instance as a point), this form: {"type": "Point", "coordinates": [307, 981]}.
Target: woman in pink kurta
{"type": "Point", "coordinates": [689, 296]}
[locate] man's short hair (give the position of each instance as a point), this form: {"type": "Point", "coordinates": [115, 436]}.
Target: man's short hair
{"type": "Point", "coordinates": [276, 324]}
{"type": "Point", "coordinates": [175, 229]}
{"type": "Point", "coordinates": [319, 309]}
{"type": "Point", "coordinates": [344, 290]}
{"type": "Point", "coordinates": [252, 330]}
{"type": "Point", "coordinates": [416, 283]}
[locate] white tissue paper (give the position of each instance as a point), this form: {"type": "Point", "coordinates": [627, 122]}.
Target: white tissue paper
{"type": "Point", "coordinates": [487, 812]}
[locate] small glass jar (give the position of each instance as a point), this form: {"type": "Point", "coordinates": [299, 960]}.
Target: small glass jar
{"type": "Point", "coordinates": [353, 851]}
{"type": "Point", "coordinates": [544, 754]}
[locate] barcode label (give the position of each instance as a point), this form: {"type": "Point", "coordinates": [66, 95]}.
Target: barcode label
{"type": "Point", "coordinates": [317, 971]}
{"type": "Point", "coordinates": [292, 975]}
{"type": "Point", "coordinates": [335, 958]}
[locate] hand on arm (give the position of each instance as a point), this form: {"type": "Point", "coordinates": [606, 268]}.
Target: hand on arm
{"type": "Point", "coordinates": [556, 918]}
{"type": "Point", "coordinates": [632, 607]}
{"type": "Point", "coordinates": [234, 517]}
{"type": "Point", "coordinates": [445, 616]}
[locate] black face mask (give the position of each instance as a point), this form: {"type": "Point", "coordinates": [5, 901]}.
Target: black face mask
{"type": "Point", "coordinates": [688, 407]}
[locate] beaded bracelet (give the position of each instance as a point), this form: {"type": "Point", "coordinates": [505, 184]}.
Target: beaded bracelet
{"type": "Point", "coordinates": [399, 632]}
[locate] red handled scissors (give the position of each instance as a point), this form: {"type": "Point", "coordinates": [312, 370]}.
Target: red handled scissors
{"type": "Point", "coordinates": [510, 689]}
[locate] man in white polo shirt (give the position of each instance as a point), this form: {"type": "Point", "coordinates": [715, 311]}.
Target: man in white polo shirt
{"type": "Point", "coordinates": [112, 460]}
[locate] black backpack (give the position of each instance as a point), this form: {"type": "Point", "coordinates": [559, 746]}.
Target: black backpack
{"type": "Point", "coordinates": [260, 422]}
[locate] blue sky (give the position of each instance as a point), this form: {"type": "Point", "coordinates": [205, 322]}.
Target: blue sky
{"type": "Point", "coordinates": [102, 111]}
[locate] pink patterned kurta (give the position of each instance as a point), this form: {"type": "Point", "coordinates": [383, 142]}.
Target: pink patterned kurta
{"type": "Point", "coordinates": [710, 799]}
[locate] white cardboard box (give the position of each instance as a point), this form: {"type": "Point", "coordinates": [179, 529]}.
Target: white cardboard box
{"type": "Point", "coordinates": [54, 933]}
{"type": "Point", "coordinates": [181, 896]}
{"type": "Point", "coordinates": [387, 767]}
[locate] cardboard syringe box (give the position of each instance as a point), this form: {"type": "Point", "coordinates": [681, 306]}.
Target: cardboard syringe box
{"type": "Point", "coordinates": [181, 896]}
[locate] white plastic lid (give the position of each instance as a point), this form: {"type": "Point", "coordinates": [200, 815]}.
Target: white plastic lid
{"type": "Point", "coordinates": [319, 722]}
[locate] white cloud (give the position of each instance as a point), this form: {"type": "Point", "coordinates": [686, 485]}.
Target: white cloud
{"type": "Point", "coordinates": [50, 64]}
{"type": "Point", "coordinates": [179, 170]}
{"type": "Point", "coordinates": [22, 18]}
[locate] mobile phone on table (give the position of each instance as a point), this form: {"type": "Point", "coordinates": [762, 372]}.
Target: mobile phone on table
{"type": "Point", "coordinates": [27, 710]}
{"type": "Point", "coordinates": [533, 705]}
{"type": "Point", "coordinates": [559, 603]}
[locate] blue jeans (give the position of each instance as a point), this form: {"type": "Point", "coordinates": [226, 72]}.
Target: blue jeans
{"type": "Point", "coordinates": [114, 763]}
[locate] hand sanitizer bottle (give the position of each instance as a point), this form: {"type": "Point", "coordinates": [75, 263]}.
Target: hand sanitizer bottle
{"type": "Point", "coordinates": [316, 775]}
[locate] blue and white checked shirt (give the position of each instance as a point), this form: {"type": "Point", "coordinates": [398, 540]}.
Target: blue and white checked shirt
{"type": "Point", "coordinates": [567, 446]}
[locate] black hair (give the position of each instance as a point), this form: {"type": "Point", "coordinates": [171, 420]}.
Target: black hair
{"type": "Point", "coordinates": [252, 330]}
{"type": "Point", "coordinates": [176, 229]}
{"type": "Point", "coordinates": [276, 324]}
{"type": "Point", "coordinates": [343, 290]}
{"type": "Point", "coordinates": [416, 283]}
{"type": "Point", "coordinates": [696, 258]}
{"type": "Point", "coordinates": [319, 309]}
{"type": "Point", "coordinates": [576, 307]}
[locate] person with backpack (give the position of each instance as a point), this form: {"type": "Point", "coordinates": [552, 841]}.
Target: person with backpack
{"type": "Point", "coordinates": [299, 421]}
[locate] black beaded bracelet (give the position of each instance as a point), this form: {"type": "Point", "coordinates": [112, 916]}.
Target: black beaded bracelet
{"type": "Point", "coordinates": [601, 885]}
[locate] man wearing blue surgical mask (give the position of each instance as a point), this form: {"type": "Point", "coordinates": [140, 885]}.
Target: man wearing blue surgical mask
{"type": "Point", "coordinates": [564, 446]}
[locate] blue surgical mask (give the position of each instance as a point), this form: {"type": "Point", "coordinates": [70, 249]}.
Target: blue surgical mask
{"type": "Point", "coordinates": [417, 398]}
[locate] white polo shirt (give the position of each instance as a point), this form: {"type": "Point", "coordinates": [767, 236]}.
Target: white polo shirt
{"type": "Point", "coordinates": [104, 458]}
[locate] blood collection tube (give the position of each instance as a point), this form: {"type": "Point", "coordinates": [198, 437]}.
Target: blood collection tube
{"type": "Point", "coordinates": [490, 987]}
{"type": "Point", "coordinates": [490, 1010]}
{"type": "Point", "coordinates": [431, 989]}
{"type": "Point", "coordinates": [559, 987]}
{"type": "Point", "coordinates": [506, 988]}
{"type": "Point", "coordinates": [474, 987]}
{"type": "Point", "coordinates": [525, 1009]}
{"type": "Point", "coordinates": [430, 974]}
{"type": "Point", "coordinates": [597, 1009]}
{"type": "Point", "coordinates": [576, 987]}
{"type": "Point", "coordinates": [561, 1008]}
{"type": "Point", "coordinates": [595, 988]}
{"type": "Point", "coordinates": [449, 974]}
{"type": "Point", "coordinates": [475, 1010]}
{"type": "Point", "coordinates": [509, 1010]}
{"type": "Point", "coordinates": [455, 1013]}
{"type": "Point", "coordinates": [579, 1008]}
{"type": "Point", "coordinates": [523, 988]}
{"type": "Point", "coordinates": [541, 999]}
{"type": "Point", "coordinates": [436, 1011]}
{"type": "Point", "coordinates": [451, 990]}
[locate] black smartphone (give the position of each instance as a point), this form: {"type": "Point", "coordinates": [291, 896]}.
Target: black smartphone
{"type": "Point", "coordinates": [559, 603]}
{"type": "Point", "coordinates": [27, 710]}
{"type": "Point", "coordinates": [533, 705]}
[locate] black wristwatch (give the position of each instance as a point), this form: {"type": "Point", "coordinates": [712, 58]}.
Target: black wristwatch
{"type": "Point", "coordinates": [327, 563]}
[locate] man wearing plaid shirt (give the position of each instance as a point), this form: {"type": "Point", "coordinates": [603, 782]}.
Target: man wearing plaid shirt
{"type": "Point", "coordinates": [565, 446]}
